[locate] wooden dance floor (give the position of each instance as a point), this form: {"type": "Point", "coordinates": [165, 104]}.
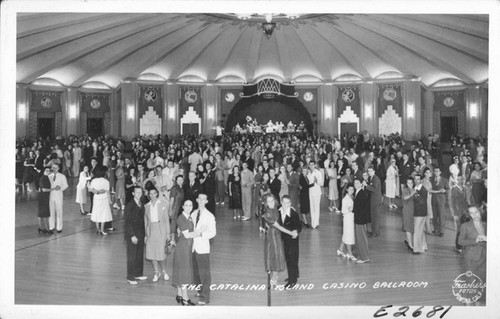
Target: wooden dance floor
{"type": "Point", "coordinates": [78, 267]}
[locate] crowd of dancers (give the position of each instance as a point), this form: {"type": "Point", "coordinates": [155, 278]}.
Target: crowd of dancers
{"type": "Point", "coordinates": [271, 177]}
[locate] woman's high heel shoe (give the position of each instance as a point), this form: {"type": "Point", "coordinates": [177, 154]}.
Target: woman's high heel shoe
{"type": "Point", "coordinates": [340, 253]}
{"type": "Point", "coordinates": [178, 299]}
{"type": "Point", "coordinates": [351, 257]}
{"type": "Point", "coordinates": [41, 231]}
{"type": "Point", "coordinates": [187, 302]}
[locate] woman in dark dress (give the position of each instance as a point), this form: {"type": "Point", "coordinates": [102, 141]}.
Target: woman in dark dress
{"type": "Point", "coordinates": [234, 182]}
{"type": "Point", "coordinates": [43, 203]}
{"type": "Point", "coordinates": [209, 186]}
{"type": "Point", "coordinates": [478, 188]}
{"type": "Point", "coordinates": [130, 183]}
{"type": "Point", "coordinates": [274, 255]}
{"type": "Point", "coordinates": [176, 200]}
{"type": "Point", "coordinates": [304, 195]}
{"type": "Point", "coordinates": [182, 274]}
{"type": "Point", "coordinates": [29, 171]}
{"type": "Point", "coordinates": [408, 212]}
{"type": "Point", "coordinates": [256, 199]}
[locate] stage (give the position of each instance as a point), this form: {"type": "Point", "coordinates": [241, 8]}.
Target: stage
{"type": "Point", "coordinates": [78, 267]}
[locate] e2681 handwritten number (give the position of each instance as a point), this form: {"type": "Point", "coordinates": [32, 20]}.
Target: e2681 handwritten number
{"type": "Point", "coordinates": [402, 311]}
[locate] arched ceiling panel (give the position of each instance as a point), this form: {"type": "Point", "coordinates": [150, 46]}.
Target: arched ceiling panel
{"type": "Point", "coordinates": [77, 48]}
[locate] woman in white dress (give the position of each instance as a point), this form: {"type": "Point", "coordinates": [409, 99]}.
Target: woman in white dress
{"type": "Point", "coordinates": [391, 183]}
{"type": "Point", "coordinates": [81, 189]}
{"type": "Point", "coordinates": [101, 209]}
{"type": "Point", "coordinates": [333, 192]}
{"type": "Point", "coordinates": [77, 157]}
{"type": "Point", "coordinates": [284, 182]}
{"type": "Point", "coordinates": [348, 238]}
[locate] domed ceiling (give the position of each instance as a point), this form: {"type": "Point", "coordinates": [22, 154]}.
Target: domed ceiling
{"type": "Point", "coordinates": [78, 49]}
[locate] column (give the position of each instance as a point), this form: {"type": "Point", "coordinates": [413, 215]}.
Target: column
{"type": "Point", "coordinates": [368, 98]}
{"type": "Point", "coordinates": [72, 117]}
{"type": "Point", "coordinates": [209, 109]}
{"type": "Point", "coordinates": [172, 113]}
{"type": "Point", "coordinates": [130, 116]}
{"type": "Point", "coordinates": [473, 112]}
{"type": "Point", "coordinates": [326, 104]}
{"type": "Point", "coordinates": [411, 129]}
{"type": "Point", "coordinates": [428, 116]}
{"type": "Point", "coordinates": [115, 112]}
{"type": "Point", "coordinates": [22, 111]}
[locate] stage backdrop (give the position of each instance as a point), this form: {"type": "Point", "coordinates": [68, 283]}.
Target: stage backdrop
{"type": "Point", "coordinates": [281, 109]}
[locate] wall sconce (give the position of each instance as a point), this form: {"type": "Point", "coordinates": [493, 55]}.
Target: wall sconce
{"type": "Point", "coordinates": [211, 112]}
{"type": "Point", "coordinates": [410, 110]}
{"type": "Point", "coordinates": [21, 112]}
{"type": "Point", "coordinates": [72, 112]}
{"type": "Point", "coordinates": [473, 110]}
{"type": "Point", "coordinates": [368, 109]}
{"type": "Point", "coordinates": [130, 112]}
{"type": "Point", "coordinates": [171, 112]}
{"type": "Point", "coordinates": [328, 112]}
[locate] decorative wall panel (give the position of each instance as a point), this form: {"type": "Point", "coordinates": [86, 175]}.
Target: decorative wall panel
{"type": "Point", "coordinates": [150, 96]}
{"type": "Point", "coordinates": [58, 124]}
{"type": "Point", "coordinates": [46, 101]}
{"type": "Point", "coordinates": [95, 102]}
{"type": "Point", "coordinates": [390, 122]}
{"type": "Point", "coordinates": [33, 124]}
{"type": "Point", "coordinates": [83, 123]}
{"type": "Point", "coordinates": [191, 117]}
{"type": "Point", "coordinates": [107, 123]}
{"type": "Point", "coordinates": [348, 116]}
{"type": "Point", "coordinates": [390, 94]}
{"type": "Point", "coordinates": [348, 96]}
{"type": "Point", "coordinates": [150, 123]}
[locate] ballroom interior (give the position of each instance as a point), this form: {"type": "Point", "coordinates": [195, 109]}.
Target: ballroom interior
{"type": "Point", "coordinates": [147, 74]}
{"type": "Point", "coordinates": [131, 74]}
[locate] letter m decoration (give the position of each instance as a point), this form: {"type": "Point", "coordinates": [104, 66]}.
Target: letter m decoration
{"type": "Point", "coordinates": [268, 88]}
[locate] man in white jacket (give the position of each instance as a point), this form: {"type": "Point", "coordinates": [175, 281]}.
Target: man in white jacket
{"type": "Point", "coordinates": [204, 223]}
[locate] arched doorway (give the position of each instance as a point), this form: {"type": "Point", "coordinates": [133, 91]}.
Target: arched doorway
{"type": "Point", "coordinates": [281, 108]}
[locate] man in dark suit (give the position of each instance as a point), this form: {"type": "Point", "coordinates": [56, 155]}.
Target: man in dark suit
{"type": "Point", "coordinates": [374, 186]}
{"type": "Point", "coordinates": [361, 210]}
{"type": "Point", "coordinates": [192, 188]}
{"type": "Point", "coordinates": [356, 172]}
{"type": "Point", "coordinates": [290, 220]}
{"type": "Point", "coordinates": [439, 190]}
{"type": "Point", "coordinates": [92, 169]}
{"type": "Point", "coordinates": [38, 167]}
{"type": "Point", "coordinates": [134, 236]}
{"type": "Point", "coordinates": [274, 184]}
{"type": "Point", "coordinates": [405, 168]}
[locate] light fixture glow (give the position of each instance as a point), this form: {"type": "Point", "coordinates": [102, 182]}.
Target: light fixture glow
{"type": "Point", "coordinates": [473, 110]}
{"type": "Point", "coordinates": [72, 112]}
{"type": "Point", "coordinates": [328, 112]}
{"type": "Point", "coordinates": [368, 109]}
{"type": "Point", "coordinates": [211, 112]}
{"type": "Point", "coordinates": [21, 111]}
{"type": "Point", "coordinates": [130, 111]}
{"type": "Point", "coordinates": [171, 112]}
{"type": "Point", "coordinates": [410, 110]}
